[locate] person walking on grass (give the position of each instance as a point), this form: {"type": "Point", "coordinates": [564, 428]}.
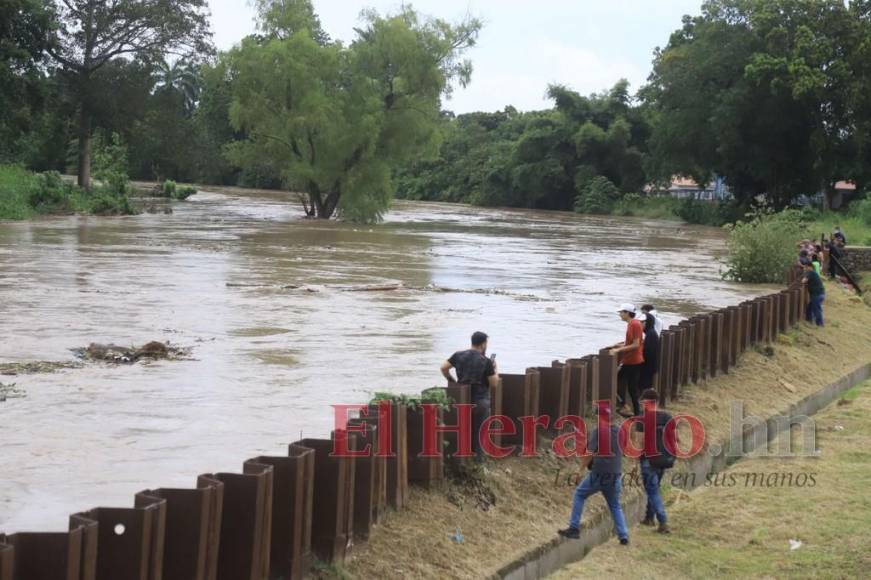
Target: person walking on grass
{"type": "Point", "coordinates": [631, 359]}
{"type": "Point", "coordinates": [480, 373]}
{"type": "Point", "coordinates": [655, 459]}
{"type": "Point", "coordinates": [817, 292]}
{"type": "Point", "coordinates": [604, 459]}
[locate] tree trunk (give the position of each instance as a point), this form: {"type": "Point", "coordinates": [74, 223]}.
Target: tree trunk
{"type": "Point", "coordinates": [323, 208]}
{"type": "Point", "coordinates": [84, 169]}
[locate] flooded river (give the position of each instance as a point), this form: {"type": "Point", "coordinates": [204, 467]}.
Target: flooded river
{"type": "Point", "coordinates": [262, 298]}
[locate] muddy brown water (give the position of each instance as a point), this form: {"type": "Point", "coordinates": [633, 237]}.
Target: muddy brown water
{"type": "Point", "coordinates": [261, 297]}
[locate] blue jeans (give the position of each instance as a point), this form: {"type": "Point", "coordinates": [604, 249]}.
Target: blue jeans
{"type": "Point", "coordinates": [652, 477]}
{"type": "Point", "coordinates": [814, 310]}
{"type": "Point", "coordinates": [610, 485]}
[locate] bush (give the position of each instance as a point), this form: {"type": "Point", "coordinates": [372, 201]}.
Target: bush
{"type": "Point", "coordinates": [168, 188]}
{"type": "Point", "coordinates": [16, 185]}
{"type": "Point", "coordinates": [862, 210]}
{"type": "Point", "coordinates": [648, 206]}
{"type": "Point", "coordinates": [708, 213]}
{"type": "Point", "coordinates": [110, 165]}
{"type": "Point", "coordinates": [105, 202]}
{"type": "Point", "coordinates": [184, 192]}
{"type": "Point", "coordinates": [597, 197]}
{"type": "Point", "coordinates": [761, 249]}
{"type": "Point", "coordinates": [50, 192]}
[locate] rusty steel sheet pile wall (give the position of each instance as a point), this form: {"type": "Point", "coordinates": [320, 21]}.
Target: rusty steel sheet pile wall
{"type": "Point", "coordinates": [271, 520]}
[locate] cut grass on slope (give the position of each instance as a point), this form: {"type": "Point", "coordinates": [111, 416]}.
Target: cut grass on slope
{"type": "Point", "coordinates": [530, 505]}
{"type": "Point", "coordinates": [744, 531]}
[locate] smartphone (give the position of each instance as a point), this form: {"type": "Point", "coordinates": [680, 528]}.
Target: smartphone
{"type": "Point", "coordinates": [493, 357]}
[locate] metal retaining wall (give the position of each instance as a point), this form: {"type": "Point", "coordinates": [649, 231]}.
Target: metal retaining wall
{"type": "Point", "coordinates": [269, 520]}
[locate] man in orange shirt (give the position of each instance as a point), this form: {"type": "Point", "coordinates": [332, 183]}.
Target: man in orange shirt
{"type": "Point", "coordinates": [631, 359]}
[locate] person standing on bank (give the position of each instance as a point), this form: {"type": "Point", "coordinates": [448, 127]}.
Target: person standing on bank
{"type": "Point", "coordinates": [654, 462]}
{"type": "Point", "coordinates": [631, 358]}
{"type": "Point", "coordinates": [649, 310]}
{"type": "Point", "coordinates": [650, 352]}
{"type": "Point", "coordinates": [479, 372]}
{"type": "Point", "coordinates": [604, 458]}
{"type": "Point", "coordinates": [817, 292]}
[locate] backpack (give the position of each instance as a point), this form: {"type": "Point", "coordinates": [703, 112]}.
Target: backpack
{"type": "Point", "coordinates": [663, 459]}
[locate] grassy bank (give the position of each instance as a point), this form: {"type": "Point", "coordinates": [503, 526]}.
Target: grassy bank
{"type": "Point", "coordinates": [745, 532]}
{"type": "Point", "coordinates": [25, 194]}
{"type": "Point", "coordinates": [855, 224]}
{"type": "Point", "coordinates": [530, 504]}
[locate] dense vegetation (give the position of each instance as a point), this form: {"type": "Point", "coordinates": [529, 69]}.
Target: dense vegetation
{"type": "Point", "coordinates": [772, 95]}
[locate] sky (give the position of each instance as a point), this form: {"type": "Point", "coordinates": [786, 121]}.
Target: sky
{"type": "Point", "coordinates": [525, 45]}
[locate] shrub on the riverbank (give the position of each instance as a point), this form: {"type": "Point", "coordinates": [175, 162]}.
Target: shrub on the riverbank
{"type": "Point", "coordinates": [763, 247]}
{"type": "Point", "coordinates": [15, 187]}
{"type": "Point", "coordinates": [597, 197]}
{"type": "Point", "coordinates": [648, 206]}
{"type": "Point", "coordinates": [24, 194]}
{"type": "Point", "coordinates": [172, 190]}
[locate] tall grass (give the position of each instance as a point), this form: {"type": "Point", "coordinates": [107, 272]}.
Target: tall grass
{"type": "Point", "coordinates": [855, 223]}
{"type": "Point", "coordinates": [16, 186]}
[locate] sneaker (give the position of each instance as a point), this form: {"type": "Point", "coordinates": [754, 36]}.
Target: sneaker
{"type": "Point", "coordinates": [624, 541]}
{"type": "Point", "coordinates": [648, 522]}
{"type": "Point", "coordinates": [570, 533]}
{"type": "Point", "coordinates": [663, 529]}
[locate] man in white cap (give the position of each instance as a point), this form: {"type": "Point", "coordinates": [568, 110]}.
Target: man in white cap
{"type": "Point", "coordinates": [631, 359]}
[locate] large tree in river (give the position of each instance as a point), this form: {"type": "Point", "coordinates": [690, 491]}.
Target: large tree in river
{"type": "Point", "coordinates": [336, 119]}
{"type": "Point", "coordinates": [88, 34]}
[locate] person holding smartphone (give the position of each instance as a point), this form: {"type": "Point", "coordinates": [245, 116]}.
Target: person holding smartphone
{"type": "Point", "coordinates": [475, 369]}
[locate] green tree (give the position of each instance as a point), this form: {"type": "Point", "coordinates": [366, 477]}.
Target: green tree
{"type": "Point", "coordinates": [181, 76]}
{"type": "Point", "coordinates": [337, 119]}
{"type": "Point", "coordinates": [88, 34]}
{"type": "Point", "coordinates": [597, 196]}
{"type": "Point", "coordinates": [23, 33]}
{"type": "Point", "coordinates": [761, 92]}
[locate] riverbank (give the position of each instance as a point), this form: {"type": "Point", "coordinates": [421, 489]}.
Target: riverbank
{"type": "Point", "coordinates": [531, 502]}
{"type": "Point", "coordinates": [25, 195]}
{"type": "Point", "coordinates": [737, 531]}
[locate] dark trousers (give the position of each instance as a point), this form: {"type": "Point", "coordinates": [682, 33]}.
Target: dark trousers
{"type": "Point", "coordinates": [480, 412]}
{"type": "Point", "coordinates": [629, 379]}
{"type": "Point", "coordinates": [647, 375]}
{"type": "Point", "coordinates": [814, 310]}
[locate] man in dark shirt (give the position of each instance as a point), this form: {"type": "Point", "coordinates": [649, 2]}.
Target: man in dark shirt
{"type": "Point", "coordinates": [655, 461]}
{"type": "Point", "coordinates": [605, 476]}
{"type": "Point", "coordinates": [479, 372]}
{"type": "Point", "coordinates": [817, 292]}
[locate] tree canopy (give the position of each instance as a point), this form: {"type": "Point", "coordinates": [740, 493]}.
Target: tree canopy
{"type": "Point", "coordinates": [334, 120]}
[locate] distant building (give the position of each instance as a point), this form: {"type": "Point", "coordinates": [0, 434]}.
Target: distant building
{"type": "Point", "coordinates": [844, 192]}
{"type": "Point", "coordinates": [684, 187]}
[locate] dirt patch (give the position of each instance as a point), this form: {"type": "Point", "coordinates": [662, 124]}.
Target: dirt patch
{"type": "Point", "coordinates": [533, 496]}
{"type": "Point", "coordinates": [112, 353]}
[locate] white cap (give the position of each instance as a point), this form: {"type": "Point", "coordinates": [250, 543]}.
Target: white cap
{"type": "Point", "coordinates": [626, 307]}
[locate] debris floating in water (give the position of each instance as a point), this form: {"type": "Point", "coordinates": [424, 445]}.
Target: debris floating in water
{"type": "Point", "coordinates": [34, 367]}
{"type": "Point", "coordinates": [10, 392]}
{"type": "Point", "coordinates": [112, 353]}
